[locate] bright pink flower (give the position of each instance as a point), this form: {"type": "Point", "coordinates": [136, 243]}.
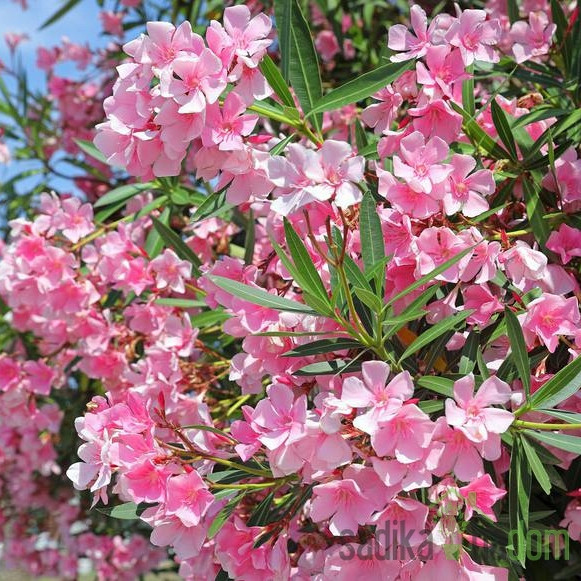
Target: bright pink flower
{"type": "Point", "coordinates": [343, 503]}
{"type": "Point", "coordinates": [475, 36]}
{"type": "Point", "coordinates": [75, 220]}
{"type": "Point", "coordinates": [147, 481]}
{"type": "Point", "coordinates": [533, 39]}
{"type": "Point", "coordinates": [480, 495]}
{"type": "Point", "coordinates": [40, 377]}
{"type": "Point", "coordinates": [170, 271]}
{"type": "Point", "coordinates": [437, 118]}
{"type": "Point", "coordinates": [566, 241]}
{"type": "Point", "coordinates": [465, 190]}
{"type": "Point", "coordinates": [418, 164]}
{"type": "Point", "coordinates": [10, 374]}
{"type": "Point", "coordinates": [472, 413]}
{"type": "Point", "coordinates": [444, 67]}
{"type": "Point", "coordinates": [188, 498]}
{"type": "Point", "coordinates": [550, 316]}
{"type": "Point", "coordinates": [384, 400]}
{"type": "Point", "coordinates": [484, 303]}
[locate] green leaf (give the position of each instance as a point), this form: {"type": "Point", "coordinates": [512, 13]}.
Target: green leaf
{"type": "Point", "coordinates": [259, 296]}
{"type": "Point", "coordinates": [323, 346]}
{"type": "Point", "coordinates": [468, 356]}
{"type": "Point", "coordinates": [361, 87]}
{"type": "Point", "coordinates": [563, 39]}
{"type": "Point", "coordinates": [62, 11]}
{"type": "Point", "coordinates": [281, 145]}
{"type": "Point", "coordinates": [568, 417]}
{"type": "Point", "coordinates": [300, 60]}
{"type": "Point", "coordinates": [535, 211]}
{"type": "Point", "coordinates": [276, 81]}
{"type": "Point", "coordinates": [537, 466]}
{"type": "Point", "coordinates": [468, 92]}
{"type": "Point", "coordinates": [174, 241]}
{"type": "Point", "coordinates": [309, 278]}
{"type": "Point", "coordinates": [441, 385]}
{"type": "Point", "coordinates": [334, 367]}
{"type": "Point", "coordinates": [519, 349]}
{"type": "Point", "coordinates": [561, 441]}
{"type": "Point", "coordinates": [213, 205]}
{"type": "Point", "coordinates": [513, 11]}
{"type": "Point", "coordinates": [250, 239]}
{"type": "Point", "coordinates": [502, 126]}
{"type": "Point", "coordinates": [562, 385]}
{"type": "Point", "coordinates": [372, 244]}
{"type": "Point", "coordinates": [434, 332]}
{"type": "Point", "coordinates": [369, 299]}
{"type": "Point", "coordinates": [154, 242]}
{"type": "Point", "coordinates": [123, 193]}
{"type": "Point", "coordinates": [223, 516]}
{"type": "Point", "coordinates": [261, 514]}
{"type": "Point", "coordinates": [180, 303]}
{"type": "Point", "coordinates": [91, 149]}
{"type": "Point", "coordinates": [209, 318]}
{"type": "Point", "coordinates": [126, 511]}
{"type": "Point", "coordinates": [478, 136]}
{"type": "Point", "coordinates": [518, 498]}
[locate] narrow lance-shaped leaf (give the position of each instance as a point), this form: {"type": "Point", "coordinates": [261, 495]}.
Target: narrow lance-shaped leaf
{"type": "Point", "coordinates": [535, 211]}
{"type": "Point", "coordinates": [537, 466]}
{"type": "Point", "coordinates": [502, 127]}
{"type": "Point", "coordinates": [519, 349]}
{"type": "Point", "coordinates": [518, 501]}
{"type": "Point", "coordinates": [434, 332]}
{"type": "Point", "coordinates": [276, 81]}
{"type": "Point", "coordinates": [154, 242]}
{"type": "Point", "coordinates": [323, 346]}
{"type": "Point", "coordinates": [304, 263]}
{"type": "Point", "coordinates": [300, 62]}
{"type": "Point", "coordinates": [224, 515]}
{"type": "Point", "coordinates": [372, 243]}
{"type": "Point", "coordinates": [361, 87]}
{"type": "Point", "coordinates": [562, 441]}
{"type": "Point", "coordinates": [259, 297]}
{"type": "Point", "coordinates": [123, 193]}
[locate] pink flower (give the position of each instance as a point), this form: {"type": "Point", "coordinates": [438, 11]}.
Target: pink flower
{"type": "Point", "coordinates": [444, 67]}
{"type": "Point", "coordinates": [418, 165]}
{"type": "Point", "coordinates": [566, 242]}
{"type": "Point", "coordinates": [436, 119]}
{"type": "Point", "coordinates": [384, 400]}
{"type": "Point", "coordinates": [480, 495]}
{"type": "Point", "coordinates": [226, 126]}
{"type": "Point", "coordinates": [112, 22]}
{"type": "Point", "coordinates": [40, 377]}
{"type": "Point", "coordinates": [381, 115]}
{"type": "Point", "coordinates": [343, 503]}
{"type": "Point", "coordinates": [533, 39]}
{"type": "Point", "coordinates": [466, 190]}
{"type": "Point", "coordinates": [400, 39]}
{"type": "Point", "coordinates": [473, 414]}
{"type": "Point", "coordinates": [550, 316]}
{"type": "Point", "coordinates": [475, 36]}
{"type": "Point", "coordinates": [75, 220]}
{"type": "Point", "coordinates": [170, 271]}
{"type": "Point", "coordinates": [201, 79]}
{"type": "Point", "coordinates": [188, 498]}
{"type": "Point", "coordinates": [484, 303]}
{"type": "Point", "coordinates": [10, 375]}
{"type": "Point", "coordinates": [522, 262]}
{"type": "Point", "coordinates": [327, 45]}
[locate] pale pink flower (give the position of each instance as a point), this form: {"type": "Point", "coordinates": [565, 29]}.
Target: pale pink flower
{"type": "Point", "coordinates": [170, 271]}
{"type": "Point", "coordinates": [480, 495]}
{"type": "Point", "coordinates": [343, 503]}
{"type": "Point", "coordinates": [522, 262]}
{"type": "Point", "coordinates": [401, 39]}
{"type": "Point", "coordinates": [484, 303]}
{"type": "Point", "coordinates": [550, 316]}
{"type": "Point", "coordinates": [112, 22]}
{"type": "Point", "coordinates": [472, 413]}
{"type": "Point", "coordinates": [75, 220]}
{"type": "Point", "coordinates": [533, 39]}
{"type": "Point", "coordinates": [381, 115]}
{"type": "Point", "coordinates": [572, 519]}
{"type": "Point", "coordinates": [444, 67]}
{"type": "Point", "coordinates": [418, 164]}
{"type": "Point", "coordinates": [327, 45]}
{"type": "Point", "coordinates": [566, 241]}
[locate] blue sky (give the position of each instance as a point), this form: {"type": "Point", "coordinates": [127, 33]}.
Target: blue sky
{"type": "Point", "coordinates": [79, 25]}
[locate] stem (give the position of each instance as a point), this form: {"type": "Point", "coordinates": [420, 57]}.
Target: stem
{"type": "Point", "coordinates": [542, 426]}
